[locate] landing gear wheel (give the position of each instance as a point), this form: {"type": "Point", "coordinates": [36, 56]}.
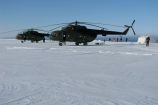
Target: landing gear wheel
{"type": "Point", "coordinates": [60, 43]}
{"type": "Point", "coordinates": [76, 43]}
{"type": "Point", "coordinates": [43, 40]}
{"type": "Point", "coordinates": [85, 44]}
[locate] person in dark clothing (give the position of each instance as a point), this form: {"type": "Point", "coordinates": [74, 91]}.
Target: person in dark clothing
{"type": "Point", "coordinates": [147, 41]}
{"type": "Point", "coordinates": [117, 39]}
{"type": "Point", "coordinates": [126, 39]}
{"type": "Point", "coordinates": [121, 39]}
{"type": "Point", "coordinates": [44, 40]}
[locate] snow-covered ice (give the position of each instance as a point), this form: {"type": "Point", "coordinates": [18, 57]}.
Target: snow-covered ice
{"type": "Point", "coordinates": [48, 74]}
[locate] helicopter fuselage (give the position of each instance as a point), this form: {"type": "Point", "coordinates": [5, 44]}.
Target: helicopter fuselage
{"type": "Point", "coordinates": [32, 36]}
{"type": "Point", "coordinates": [74, 33]}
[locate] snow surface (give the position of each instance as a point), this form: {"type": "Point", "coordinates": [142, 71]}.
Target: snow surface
{"type": "Point", "coordinates": [47, 74]}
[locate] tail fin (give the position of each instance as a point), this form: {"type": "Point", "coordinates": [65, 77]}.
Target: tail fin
{"type": "Point", "coordinates": [125, 32]}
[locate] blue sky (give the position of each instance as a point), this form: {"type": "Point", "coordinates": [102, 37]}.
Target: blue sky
{"type": "Point", "coordinates": [19, 14]}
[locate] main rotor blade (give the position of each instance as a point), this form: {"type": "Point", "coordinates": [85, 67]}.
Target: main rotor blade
{"type": "Point", "coordinates": [92, 25]}
{"type": "Point", "coordinates": [110, 25]}
{"type": "Point", "coordinates": [96, 26]}
{"type": "Point", "coordinates": [11, 31]}
{"type": "Point", "coordinates": [104, 24]}
{"type": "Point", "coordinates": [51, 25]}
{"type": "Point", "coordinates": [56, 28]}
{"type": "Point", "coordinates": [34, 28]}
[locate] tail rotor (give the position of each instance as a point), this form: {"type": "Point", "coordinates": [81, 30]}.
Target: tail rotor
{"type": "Point", "coordinates": [131, 27]}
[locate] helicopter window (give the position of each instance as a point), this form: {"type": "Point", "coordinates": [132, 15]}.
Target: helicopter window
{"type": "Point", "coordinates": [55, 35]}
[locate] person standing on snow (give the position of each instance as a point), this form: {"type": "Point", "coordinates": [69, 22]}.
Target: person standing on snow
{"type": "Point", "coordinates": [147, 41]}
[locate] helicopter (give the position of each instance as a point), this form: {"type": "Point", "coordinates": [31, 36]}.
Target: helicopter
{"type": "Point", "coordinates": [78, 32]}
{"type": "Point", "coordinates": [31, 35]}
